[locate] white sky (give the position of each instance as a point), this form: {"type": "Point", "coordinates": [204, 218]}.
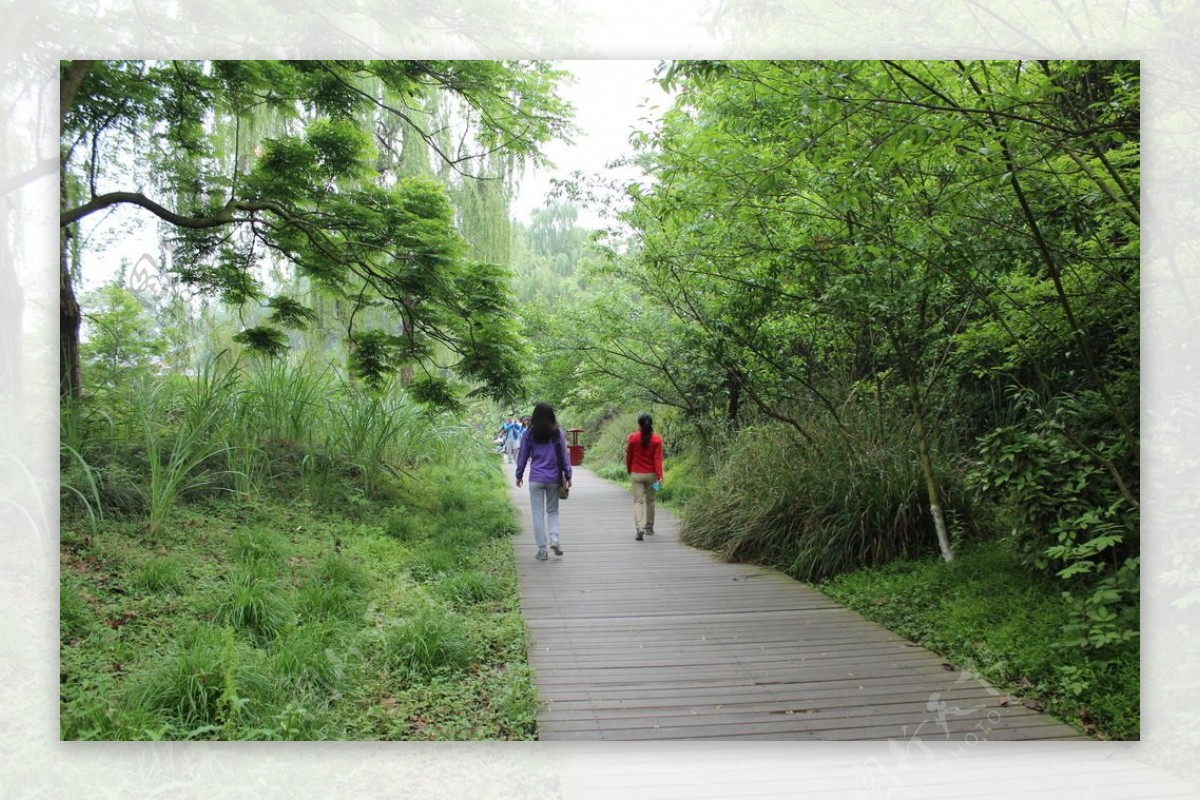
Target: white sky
{"type": "Point", "coordinates": [611, 97]}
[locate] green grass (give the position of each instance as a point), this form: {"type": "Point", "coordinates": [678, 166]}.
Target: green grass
{"type": "Point", "coordinates": [255, 603]}
{"type": "Point", "coordinates": [161, 574]}
{"type": "Point", "coordinates": [813, 512]}
{"type": "Point", "coordinates": [277, 617]}
{"type": "Point", "coordinates": [987, 613]}
{"type": "Point", "coordinates": [431, 641]}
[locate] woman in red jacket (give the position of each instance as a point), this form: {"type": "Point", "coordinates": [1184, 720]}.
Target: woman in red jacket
{"type": "Point", "coordinates": [643, 463]}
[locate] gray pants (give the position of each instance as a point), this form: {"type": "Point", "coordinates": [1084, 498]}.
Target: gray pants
{"type": "Point", "coordinates": [543, 504]}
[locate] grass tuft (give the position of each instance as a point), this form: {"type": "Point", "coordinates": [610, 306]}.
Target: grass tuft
{"type": "Point", "coordinates": [255, 604]}
{"type": "Point", "coordinates": [472, 587]}
{"type": "Point", "coordinates": [161, 574]}
{"type": "Point", "coordinates": [430, 641]}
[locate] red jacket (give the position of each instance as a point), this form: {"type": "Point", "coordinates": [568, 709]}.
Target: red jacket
{"type": "Point", "coordinates": [644, 460]}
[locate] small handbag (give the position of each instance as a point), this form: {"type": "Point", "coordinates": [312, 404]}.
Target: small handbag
{"type": "Point", "coordinates": [563, 489]}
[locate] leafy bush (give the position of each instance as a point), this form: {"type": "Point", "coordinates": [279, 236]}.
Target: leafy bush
{"type": "Point", "coordinates": [1068, 518]}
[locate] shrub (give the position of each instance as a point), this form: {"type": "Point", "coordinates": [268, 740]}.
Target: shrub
{"type": "Point", "coordinates": [1069, 518]}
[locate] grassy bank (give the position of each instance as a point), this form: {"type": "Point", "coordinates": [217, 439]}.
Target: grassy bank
{"type": "Point", "coordinates": [278, 555]}
{"type": "Point", "coordinates": [986, 613]}
{"type": "Point", "coordinates": [282, 619]}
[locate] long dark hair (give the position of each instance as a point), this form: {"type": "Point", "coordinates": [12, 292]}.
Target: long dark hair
{"type": "Point", "coordinates": [646, 423]}
{"type": "Point", "coordinates": [542, 424]}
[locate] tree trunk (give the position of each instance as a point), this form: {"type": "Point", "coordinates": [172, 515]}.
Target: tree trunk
{"type": "Point", "coordinates": [733, 384]}
{"type": "Point", "coordinates": [70, 372]}
{"type": "Point", "coordinates": [935, 506]}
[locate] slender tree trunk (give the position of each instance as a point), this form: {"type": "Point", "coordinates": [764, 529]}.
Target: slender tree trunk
{"type": "Point", "coordinates": [931, 487]}
{"type": "Point", "coordinates": [733, 383]}
{"type": "Point", "coordinates": [68, 85]}
{"type": "Point", "coordinates": [70, 371]}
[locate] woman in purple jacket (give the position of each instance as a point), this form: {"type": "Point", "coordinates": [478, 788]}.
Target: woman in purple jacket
{"type": "Point", "coordinates": [544, 448]}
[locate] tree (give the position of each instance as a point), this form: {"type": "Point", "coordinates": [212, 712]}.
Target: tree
{"type": "Point", "coordinates": [311, 194]}
{"type": "Point", "coordinates": [123, 341]}
{"type": "Point", "coordinates": [838, 231]}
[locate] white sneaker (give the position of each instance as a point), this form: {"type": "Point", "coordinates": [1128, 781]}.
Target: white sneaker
{"type": "Point", "coordinates": [542, 555]}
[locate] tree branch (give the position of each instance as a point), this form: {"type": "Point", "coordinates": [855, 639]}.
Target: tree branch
{"type": "Point", "coordinates": [226, 216]}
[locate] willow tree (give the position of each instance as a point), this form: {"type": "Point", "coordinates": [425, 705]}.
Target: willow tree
{"type": "Point", "coordinates": [316, 196]}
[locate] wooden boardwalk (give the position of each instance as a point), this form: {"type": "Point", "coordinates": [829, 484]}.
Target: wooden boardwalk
{"type": "Point", "coordinates": [657, 640]}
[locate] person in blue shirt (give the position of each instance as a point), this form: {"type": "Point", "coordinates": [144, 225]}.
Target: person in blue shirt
{"type": "Point", "coordinates": [510, 434]}
{"type": "Point", "coordinates": [544, 450]}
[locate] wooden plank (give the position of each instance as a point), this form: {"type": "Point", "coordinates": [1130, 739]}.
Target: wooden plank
{"type": "Point", "coordinates": [655, 640]}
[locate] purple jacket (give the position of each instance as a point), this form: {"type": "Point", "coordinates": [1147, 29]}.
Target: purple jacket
{"type": "Point", "coordinates": [543, 461]}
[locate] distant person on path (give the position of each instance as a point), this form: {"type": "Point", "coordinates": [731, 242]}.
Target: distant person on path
{"type": "Point", "coordinates": [544, 449]}
{"type": "Point", "coordinates": [643, 463]}
{"type": "Point", "coordinates": [511, 433]}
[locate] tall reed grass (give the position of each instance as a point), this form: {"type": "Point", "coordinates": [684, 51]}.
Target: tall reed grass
{"type": "Point", "coordinates": [815, 512]}
{"type": "Point", "coordinates": [175, 459]}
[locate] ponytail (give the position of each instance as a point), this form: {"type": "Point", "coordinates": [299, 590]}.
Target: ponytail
{"type": "Point", "coordinates": [646, 424]}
